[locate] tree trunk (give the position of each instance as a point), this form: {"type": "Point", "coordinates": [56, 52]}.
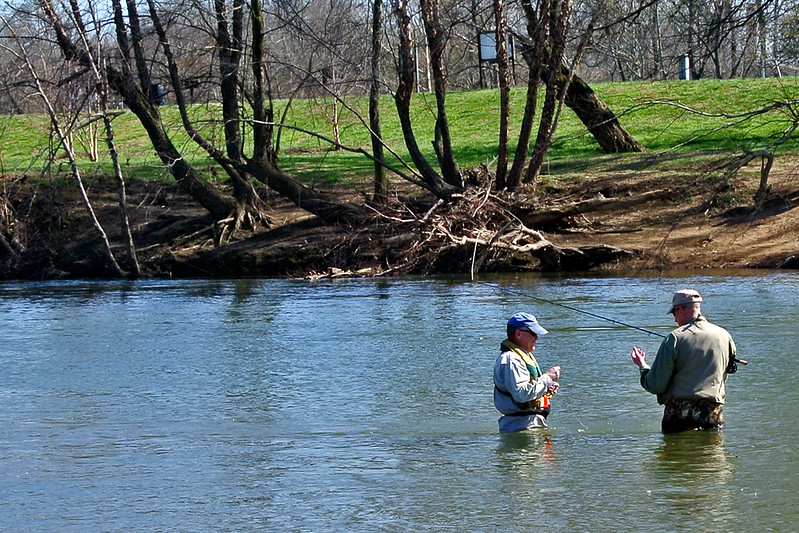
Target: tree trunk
{"type": "Point", "coordinates": [188, 179]}
{"type": "Point", "coordinates": [557, 20]}
{"type": "Point", "coordinates": [531, 52]}
{"type": "Point", "coordinates": [658, 70]}
{"type": "Point", "coordinates": [525, 132]}
{"type": "Point", "coordinates": [138, 51]}
{"type": "Point", "coordinates": [263, 112]}
{"type": "Point", "coordinates": [597, 117]}
{"type": "Point", "coordinates": [537, 218]}
{"type": "Point", "coordinates": [228, 45]}
{"type": "Point", "coordinates": [436, 40]}
{"type": "Point", "coordinates": [324, 206]}
{"type": "Point", "coordinates": [504, 92]}
{"type": "Point", "coordinates": [121, 189]}
{"type": "Point", "coordinates": [380, 178]}
{"type": "Point", "coordinates": [402, 98]}
{"type": "Point", "coordinates": [432, 181]}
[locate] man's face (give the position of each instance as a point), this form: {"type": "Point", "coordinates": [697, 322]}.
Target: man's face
{"type": "Point", "coordinates": [525, 339]}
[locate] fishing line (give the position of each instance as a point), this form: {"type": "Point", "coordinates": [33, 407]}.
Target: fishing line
{"type": "Point", "coordinates": [571, 308]}
{"type": "Point", "coordinates": [733, 363]}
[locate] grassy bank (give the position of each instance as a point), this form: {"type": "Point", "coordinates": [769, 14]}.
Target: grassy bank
{"type": "Point", "coordinates": [658, 114]}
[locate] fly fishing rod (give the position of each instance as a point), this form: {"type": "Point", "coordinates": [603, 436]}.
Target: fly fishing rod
{"type": "Point", "coordinates": [731, 369]}
{"type": "Point", "coordinates": [576, 310]}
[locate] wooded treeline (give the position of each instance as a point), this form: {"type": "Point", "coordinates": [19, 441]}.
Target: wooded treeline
{"type": "Point", "coordinates": [80, 61]}
{"type": "Point", "coordinates": [327, 43]}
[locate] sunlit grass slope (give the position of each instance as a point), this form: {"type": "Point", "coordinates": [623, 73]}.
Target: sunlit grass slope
{"type": "Point", "coordinates": [681, 116]}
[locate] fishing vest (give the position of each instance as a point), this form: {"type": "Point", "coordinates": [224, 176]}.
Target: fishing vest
{"type": "Point", "coordinates": [539, 405]}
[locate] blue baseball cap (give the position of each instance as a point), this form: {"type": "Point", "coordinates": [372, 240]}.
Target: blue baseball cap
{"type": "Point", "coordinates": [525, 320]}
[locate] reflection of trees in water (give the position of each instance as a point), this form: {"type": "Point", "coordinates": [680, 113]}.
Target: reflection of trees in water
{"type": "Point", "coordinates": [691, 474]}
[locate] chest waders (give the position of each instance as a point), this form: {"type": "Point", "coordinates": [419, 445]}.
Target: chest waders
{"type": "Point", "coordinates": [539, 406]}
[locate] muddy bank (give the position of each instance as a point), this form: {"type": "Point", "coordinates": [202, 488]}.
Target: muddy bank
{"type": "Point", "coordinates": [623, 221]}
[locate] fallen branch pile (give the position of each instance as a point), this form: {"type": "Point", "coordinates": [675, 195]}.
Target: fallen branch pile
{"type": "Point", "coordinates": [482, 232]}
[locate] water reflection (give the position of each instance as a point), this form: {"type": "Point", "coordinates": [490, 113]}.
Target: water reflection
{"type": "Point", "coordinates": [695, 455]}
{"type": "Point", "coordinates": [525, 453]}
{"type": "Point", "coordinates": [692, 474]}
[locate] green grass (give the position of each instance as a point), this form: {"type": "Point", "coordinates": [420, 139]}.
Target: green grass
{"type": "Point", "coordinates": [643, 109]}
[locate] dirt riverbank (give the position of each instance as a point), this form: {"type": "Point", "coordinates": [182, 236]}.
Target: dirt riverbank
{"type": "Point", "coordinates": [612, 218]}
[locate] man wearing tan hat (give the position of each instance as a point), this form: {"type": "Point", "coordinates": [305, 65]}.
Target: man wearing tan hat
{"type": "Point", "coordinates": [690, 368]}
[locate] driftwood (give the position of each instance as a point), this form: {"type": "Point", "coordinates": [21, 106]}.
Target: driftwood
{"type": "Point", "coordinates": [522, 240]}
{"type": "Point", "coordinates": [486, 228]}
{"type": "Point", "coordinates": [550, 217]}
{"type": "Point", "coordinates": [480, 232]}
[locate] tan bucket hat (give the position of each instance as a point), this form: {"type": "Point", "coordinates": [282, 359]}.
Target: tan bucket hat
{"type": "Point", "coordinates": [684, 296]}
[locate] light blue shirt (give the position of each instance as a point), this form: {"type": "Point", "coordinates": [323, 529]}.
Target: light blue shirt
{"type": "Point", "coordinates": [511, 376]}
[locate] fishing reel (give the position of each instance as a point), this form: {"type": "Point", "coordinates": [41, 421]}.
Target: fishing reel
{"type": "Point", "coordinates": [732, 368]}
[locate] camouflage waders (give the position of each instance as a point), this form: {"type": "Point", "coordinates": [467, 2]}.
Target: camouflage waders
{"type": "Point", "coordinates": [680, 415]}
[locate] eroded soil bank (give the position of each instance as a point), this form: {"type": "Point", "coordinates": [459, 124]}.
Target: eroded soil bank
{"type": "Point", "coordinates": [609, 218]}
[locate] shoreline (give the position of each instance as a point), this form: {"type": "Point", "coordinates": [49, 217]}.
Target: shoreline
{"type": "Point", "coordinates": [175, 238]}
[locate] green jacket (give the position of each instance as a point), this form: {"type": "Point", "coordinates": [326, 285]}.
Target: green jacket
{"type": "Point", "coordinates": [691, 363]}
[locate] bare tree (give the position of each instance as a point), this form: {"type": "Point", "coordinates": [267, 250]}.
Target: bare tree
{"type": "Point", "coordinates": [723, 39]}
{"type": "Point", "coordinates": [504, 91]}
{"type": "Point", "coordinates": [555, 16]}
{"type": "Point", "coordinates": [66, 145]}
{"type": "Point", "coordinates": [134, 88]}
{"type": "Point", "coordinates": [76, 102]}
{"type": "Point", "coordinates": [544, 48]}
{"type": "Point", "coordinates": [436, 42]}
{"type": "Point", "coordinates": [380, 178]}
{"type": "Point", "coordinates": [407, 82]}
{"type": "Point", "coordinates": [130, 77]}
{"type": "Point", "coordinates": [533, 51]}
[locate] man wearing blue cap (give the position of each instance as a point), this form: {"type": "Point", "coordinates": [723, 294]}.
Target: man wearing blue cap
{"type": "Point", "coordinates": [521, 390]}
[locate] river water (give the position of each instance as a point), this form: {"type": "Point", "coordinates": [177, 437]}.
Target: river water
{"type": "Point", "coordinates": [366, 405]}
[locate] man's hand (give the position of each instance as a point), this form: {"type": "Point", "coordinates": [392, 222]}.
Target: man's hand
{"type": "Point", "coordinates": [554, 373]}
{"type": "Point", "coordinates": [638, 356]}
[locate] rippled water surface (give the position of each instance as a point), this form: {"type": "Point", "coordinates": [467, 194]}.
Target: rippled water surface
{"type": "Point", "coordinates": [366, 406]}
